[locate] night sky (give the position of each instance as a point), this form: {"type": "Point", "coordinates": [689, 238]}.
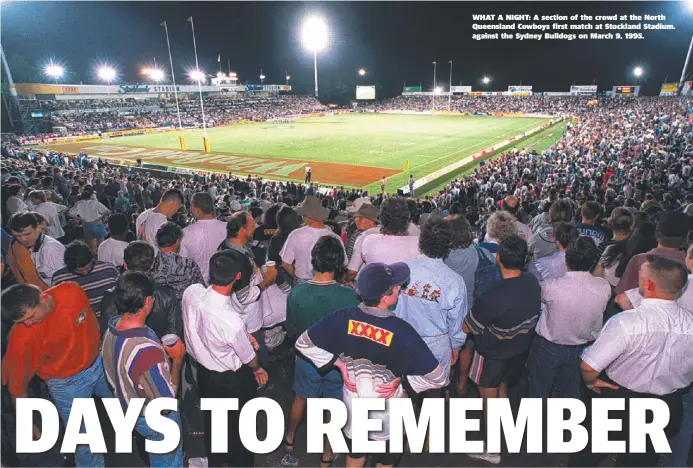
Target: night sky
{"type": "Point", "coordinates": [395, 41]}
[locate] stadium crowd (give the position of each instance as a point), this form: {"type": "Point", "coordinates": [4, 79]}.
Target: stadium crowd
{"type": "Point", "coordinates": [555, 274]}
{"type": "Point", "coordinates": [96, 116]}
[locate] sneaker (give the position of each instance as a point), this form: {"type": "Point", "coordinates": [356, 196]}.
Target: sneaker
{"type": "Point", "coordinates": [492, 458]}
{"type": "Point", "coordinates": [289, 460]}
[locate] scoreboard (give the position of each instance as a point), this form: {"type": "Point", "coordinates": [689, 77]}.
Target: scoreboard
{"type": "Point", "coordinates": [365, 93]}
{"type": "Point", "coordinates": [625, 90]}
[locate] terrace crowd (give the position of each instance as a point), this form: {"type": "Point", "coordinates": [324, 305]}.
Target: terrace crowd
{"type": "Point", "coordinates": [554, 273]}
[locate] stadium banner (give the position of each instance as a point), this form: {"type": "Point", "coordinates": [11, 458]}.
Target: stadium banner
{"type": "Point", "coordinates": [461, 89]}
{"type": "Point", "coordinates": [519, 88]}
{"type": "Point", "coordinates": [583, 90]}
{"type": "Point", "coordinates": [518, 93]}
{"type": "Point", "coordinates": [669, 89]}
{"type": "Point", "coordinates": [411, 89]}
{"type": "Point", "coordinates": [488, 93]}
{"type": "Point", "coordinates": [686, 89]}
{"type": "Point", "coordinates": [261, 87]}
{"type": "Point", "coordinates": [365, 93]}
{"type": "Point", "coordinates": [557, 93]}
{"type": "Point", "coordinates": [469, 159]}
{"type": "Point", "coordinates": [28, 89]}
{"type": "Point", "coordinates": [625, 91]}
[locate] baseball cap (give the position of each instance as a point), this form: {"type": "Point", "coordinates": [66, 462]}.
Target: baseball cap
{"type": "Point", "coordinates": [358, 203]}
{"type": "Point", "coordinates": [377, 278]}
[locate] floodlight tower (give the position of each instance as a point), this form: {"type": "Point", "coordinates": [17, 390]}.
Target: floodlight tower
{"type": "Point", "coordinates": [314, 35]}
{"type": "Point", "coordinates": [106, 73]}
{"type": "Point", "coordinates": [54, 71]}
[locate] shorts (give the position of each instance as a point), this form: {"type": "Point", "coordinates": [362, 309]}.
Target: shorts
{"type": "Point", "coordinates": [387, 458]}
{"type": "Point", "coordinates": [490, 373]}
{"type": "Point", "coordinates": [308, 383]}
{"type": "Point", "coordinates": [94, 230]}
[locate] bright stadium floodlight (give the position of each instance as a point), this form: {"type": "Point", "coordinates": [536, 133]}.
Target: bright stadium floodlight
{"type": "Point", "coordinates": [196, 75]}
{"type": "Point", "coordinates": [362, 72]}
{"type": "Point", "coordinates": [486, 80]}
{"type": "Point", "coordinates": [106, 73]}
{"type": "Point", "coordinates": [314, 36]}
{"type": "Point", "coordinates": [638, 71]}
{"type": "Point", "coordinates": [156, 75]}
{"type": "Point", "coordinates": [438, 90]}
{"type": "Point", "coordinates": [54, 71]}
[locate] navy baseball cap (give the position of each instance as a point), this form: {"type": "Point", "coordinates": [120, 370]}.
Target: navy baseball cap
{"type": "Point", "coordinates": [377, 278]}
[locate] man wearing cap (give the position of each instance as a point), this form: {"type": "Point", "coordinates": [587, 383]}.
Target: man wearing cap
{"type": "Point", "coordinates": [295, 254]}
{"type": "Point", "coordinates": [366, 219]}
{"type": "Point", "coordinates": [353, 231]}
{"type": "Point", "coordinates": [672, 229]}
{"type": "Point", "coordinates": [371, 346]}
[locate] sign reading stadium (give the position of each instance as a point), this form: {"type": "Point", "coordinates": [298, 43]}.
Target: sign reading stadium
{"type": "Point", "coordinates": [520, 89]}
{"type": "Point", "coordinates": [461, 89]}
{"type": "Point", "coordinates": [583, 90]}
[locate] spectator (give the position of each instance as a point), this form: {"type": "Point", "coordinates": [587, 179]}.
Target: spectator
{"type": "Point", "coordinates": [543, 242]}
{"type": "Point", "coordinates": [588, 227]}
{"type": "Point", "coordinates": [306, 305]}
{"type": "Point", "coordinates": [348, 338]}
{"type": "Point", "coordinates": [572, 314]}
{"type": "Point", "coordinates": [91, 212]}
{"type": "Point", "coordinates": [50, 211]}
{"type": "Point", "coordinates": [45, 253]}
{"type": "Point", "coordinates": [93, 276]}
{"type": "Point", "coordinates": [614, 250]}
{"type": "Point", "coordinates": [112, 249]}
{"type": "Point", "coordinates": [366, 220]}
{"type": "Point", "coordinates": [295, 254]}
{"type": "Point", "coordinates": [165, 317]}
{"type": "Point", "coordinates": [202, 238]}
{"type": "Point", "coordinates": [149, 221]}
{"type": "Point", "coordinates": [393, 243]}
{"type": "Point", "coordinates": [502, 322]}
{"type": "Point", "coordinates": [170, 268]}
{"type": "Point", "coordinates": [148, 374]}
{"type": "Point", "coordinates": [628, 360]}
{"type": "Point", "coordinates": [54, 335]}
{"type": "Point", "coordinates": [500, 226]}
{"type": "Point", "coordinates": [228, 366]}
{"type": "Point", "coordinates": [554, 266]}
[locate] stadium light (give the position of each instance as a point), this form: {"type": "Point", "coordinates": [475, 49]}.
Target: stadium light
{"type": "Point", "coordinates": [638, 71]}
{"type": "Point", "coordinates": [106, 73]}
{"type": "Point", "coordinates": [486, 80]}
{"type": "Point", "coordinates": [262, 76]}
{"type": "Point", "coordinates": [438, 90]}
{"type": "Point", "coordinates": [156, 75]}
{"type": "Point", "coordinates": [196, 75]}
{"type": "Point", "coordinates": [362, 72]}
{"type": "Point", "coordinates": [314, 36]}
{"type": "Point", "coordinates": [54, 71]}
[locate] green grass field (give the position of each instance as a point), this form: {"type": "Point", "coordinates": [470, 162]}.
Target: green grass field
{"type": "Point", "coordinates": [378, 140]}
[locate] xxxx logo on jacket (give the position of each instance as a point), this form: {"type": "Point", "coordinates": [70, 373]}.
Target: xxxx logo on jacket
{"type": "Point", "coordinates": [375, 334]}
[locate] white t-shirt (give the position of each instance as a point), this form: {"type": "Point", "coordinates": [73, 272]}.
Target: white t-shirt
{"type": "Point", "coordinates": [147, 224]}
{"type": "Point", "coordinates": [112, 251]}
{"type": "Point", "coordinates": [356, 261]}
{"type": "Point", "coordinates": [389, 249]}
{"type": "Point", "coordinates": [51, 211]}
{"type": "Point", "coordinates": [298, 247]}
{"type": "Point", "coordinates": [201, 240]}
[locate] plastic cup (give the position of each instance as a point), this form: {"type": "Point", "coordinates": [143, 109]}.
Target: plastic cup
{"type": "Point", "coordinates": [170, 339]}
{"type": "Point", "coordinates": [366, 388]}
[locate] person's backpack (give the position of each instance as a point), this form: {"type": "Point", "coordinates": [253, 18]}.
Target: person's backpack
{"type": "Point", "coordinates": [486, 274]}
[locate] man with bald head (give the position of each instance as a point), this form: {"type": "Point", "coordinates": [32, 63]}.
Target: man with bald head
{"type": "Point", "coordinates": [643, 353]}
{"type": "Point", "coordinates": [512, 205]}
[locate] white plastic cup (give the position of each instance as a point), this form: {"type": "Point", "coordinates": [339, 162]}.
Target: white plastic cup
{"type": "Point", "coordinates": [170, 339]}
{"type": "Point", "coordinates": [270, 264]}
{"type": "Point", "coordinates": [366, 387]}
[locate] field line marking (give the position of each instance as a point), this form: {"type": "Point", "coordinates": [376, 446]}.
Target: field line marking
{"type": "Point", "coordinates": [499, 138]}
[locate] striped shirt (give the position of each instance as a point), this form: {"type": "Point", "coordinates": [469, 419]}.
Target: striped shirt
{"type": "Point", "coordinates": [136, 365]}
{"type": "Point", "coordinates": [100, 279]}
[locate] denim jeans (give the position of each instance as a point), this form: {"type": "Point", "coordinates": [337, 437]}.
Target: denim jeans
{"type": "Point", "coordinates": [681, 443]}
{"type": "Point", "coordinates": [173, 459]}
{"type": "Point", "coordinates": [84, 384]}
{"type": "Point", "coordinates": [550, 363]}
